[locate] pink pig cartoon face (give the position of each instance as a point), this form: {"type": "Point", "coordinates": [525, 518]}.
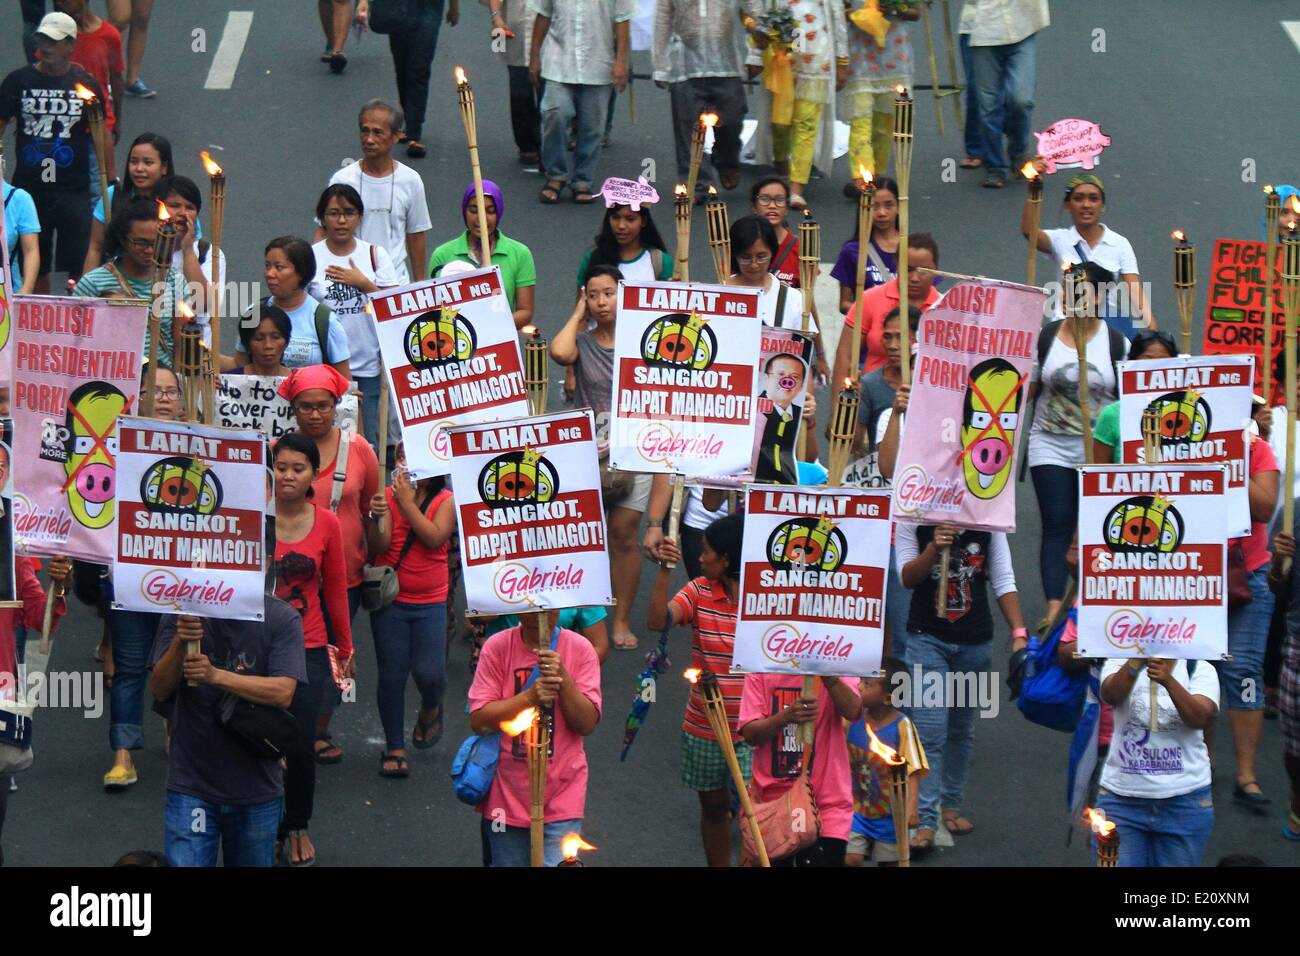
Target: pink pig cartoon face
{"type": "Point", "coordinates": [1071, 143]}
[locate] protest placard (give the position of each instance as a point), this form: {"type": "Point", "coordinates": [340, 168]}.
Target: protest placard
{"type": "Point", "coordinates": [785, 359]}
{"type": "Point", "coordinates": [189, 536]}
{"type": "Point", "coordinates": [8, 586]}
{"type": "Point", "coordinates": [1152, 561]}
{"type": "Point", "coordinates": [531, 518]}
{"type": "Point", "coordinates": [628, 192]}
{"type": "Point", "coordinates": [812, 581]}
{"type": "Point", "coordinates": [1234, 302]}
{"type": "Point", "coordinates": [1204, 406]}
{"type": "Point", "coordinates": [251, 401]}
{"type": "Point", "coordinates": [6, 303]}
{"type": "Point", "coordinates": [1071, 143]}
{"type": "Point", "coordinates": [452, 357]}
{"type": "Point", "coordinates": [76, 369]}
{"type": "Point", "coordinates": [686, 362]}
{"type": "Point", "coordinates": [969, 385]}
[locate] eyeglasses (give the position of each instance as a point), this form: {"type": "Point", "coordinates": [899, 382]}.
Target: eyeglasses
{"type": "Point", "coordinates": [770, 201]}
{"type": "Point", "coordinates": [315, 408]}
{"type": "Point", "coordinates": [762, 259]}
{"type": "Point", "coordinates": [140, 243]}
{"type": "Point", "coordinates": [340, 213]}
{"type": "Point", "coordinates": [170, 394]}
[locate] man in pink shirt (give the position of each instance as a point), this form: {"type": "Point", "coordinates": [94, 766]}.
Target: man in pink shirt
{"type": "Point", "coordinates": [567, 688]}
{"type": "Point", "coordinates": [772, 709]}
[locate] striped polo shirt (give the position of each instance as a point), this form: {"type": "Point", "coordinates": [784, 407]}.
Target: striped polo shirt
{"type": "Point", "coordinates": [712, 615]}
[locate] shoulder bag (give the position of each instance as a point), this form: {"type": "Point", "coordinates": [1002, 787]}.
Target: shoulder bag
{"type": "Point", "coordinates": [380, 585]}
{"type": "Point", "coordinates": [788, 824]}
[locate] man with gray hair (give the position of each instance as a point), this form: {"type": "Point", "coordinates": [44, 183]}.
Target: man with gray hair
{"type": "Point", "coordinates": [396, 214]}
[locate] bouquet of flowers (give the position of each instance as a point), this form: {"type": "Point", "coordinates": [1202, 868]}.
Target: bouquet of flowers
{"type": "Point", "coordinates": [780, 26]}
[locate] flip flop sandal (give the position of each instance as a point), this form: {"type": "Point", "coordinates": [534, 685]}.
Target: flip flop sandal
{"type": "Point", "coordinates": [971, 162]}
{"type": "Point", "coordinates": [425, 735]}
{"type": "Point", "coordinates": [798, 202]}
{"type": "Point", "coordinates": [402, 768]}
{"type": "Point", "coordinates": [950, 823]}
{"type": "Point", "coordinates": [626, 645]}
{"type": "Point", "coordinates": [922, 845]}
{"type": "Point", "coordinates": [730, 180]}
{"type": "Point", "coordinates": [338, 62]}
{"type": "Point", "coordinates": [582, 195]}
{"type": "Point", "coordinates": [310, 861]}
{"type": "Point", "coordinates": [550, 194]}
{"type": "Point", "coordinates": [1291, 829]}
{"type": "Point", "coordinates": [328, 755]}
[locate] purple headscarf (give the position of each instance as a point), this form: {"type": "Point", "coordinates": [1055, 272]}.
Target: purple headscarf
{"type": "Point", "coordinates": [489, 189]}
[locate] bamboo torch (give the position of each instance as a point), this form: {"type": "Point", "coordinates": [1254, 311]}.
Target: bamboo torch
{"type": "Point", "coordinates": [216, 223]}
{"type": "Point", "coordinates": [898, 793]}
{"type": "Point", "coordinates": [717, 713]}
{"type": "Point", "coordinates": [866, 197]}
{"type": "Point", "coordinates": [1077, 314]}
{"type": "Point", "coordinates": [903, 169]}
{"type": "Point", "coordinates": [844, 423]}
{"type": "Point", "coordinates": [1107, 838]}
{"type": "Point", "coordinates": [573, 843]}
{"type": "Point", "coordinates": [1184, 283]}
{"type": "Point", "coordinates": [675, 511]}
{"type": "Point", "coordinates": [707, 122]}
{"type": "Point", "coordinates": [810, 254]}
{"type": "Point", "coordinates": [191, 364]}
{"type": "Point", "coordinates": [465, 95]}
{"type": "Point", "coordinates": [98, 140]}
{"type": "Point", "coordinates": [1035, 199]}
{"type": "Point", "coordinates": [715, 217]}
{"type": "Point", "coordinates": [682, 218]}
{"type": "Point", "coordinates": [531, 722]}
{"type": "Point", "coordinates": [1151, 456]}
{"type": "Point", "coordinates": [1291, 304]}
{"type": "Point", "coordinates": [163, 247]}
{"type": "Point", "coordinates": [1272, 214]}
{"type": "Point", "coordinates": [934, 69]}
{"type": "Point", "coordinates": [536, 373]}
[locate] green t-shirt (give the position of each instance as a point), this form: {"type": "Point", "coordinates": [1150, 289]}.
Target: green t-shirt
{"type": "Point", "coordinates": [1106, 430]}
{"type": "Point", "coordinates": [514, 258]}
{"type": "Point", "coordinates": [639, 269]}
{"type": "Point", "coordinates": [571, 619]}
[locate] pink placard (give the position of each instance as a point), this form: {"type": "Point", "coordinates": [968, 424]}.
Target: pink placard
{"type": "Point", "coordinates": [1071, 143]}
{"type": "Point", "coordinates": [628, 192]}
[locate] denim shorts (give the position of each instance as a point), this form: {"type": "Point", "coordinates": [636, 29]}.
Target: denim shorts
{"type": "Point", "coordinates": [1242, 678]}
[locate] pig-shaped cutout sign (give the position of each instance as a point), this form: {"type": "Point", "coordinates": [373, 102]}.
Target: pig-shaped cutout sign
{"type": "Point", "coordinates": [1070, 143]}
{"type": "Point", "coordinates": [628, 192]}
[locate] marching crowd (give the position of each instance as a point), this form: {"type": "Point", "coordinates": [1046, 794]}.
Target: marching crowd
{"type": "Point", "coordinates": [337, 518]}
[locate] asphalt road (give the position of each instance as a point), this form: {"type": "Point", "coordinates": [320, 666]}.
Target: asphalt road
{"type": "Point", "coordinates": [1182, 136]}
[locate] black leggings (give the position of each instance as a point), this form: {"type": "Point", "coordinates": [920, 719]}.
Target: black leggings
{"type": "Point", "coordinates": [300, 780]}
{"type": "Point", "coordinates": [692, 546]}
{"type": "Point", "coordinates": [825, 852]}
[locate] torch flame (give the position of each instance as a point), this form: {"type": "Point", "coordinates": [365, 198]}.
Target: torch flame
{"type": "Point", "coordinates": [679, 189]}
{"type": "Point", "coordinates": [210, 164]}
{"type": "Point", "coordinates": [183, 310]}
{"type": "Point", "coordinates": [1178, 236]}
{"type": "Point", "coordinates": [1268, 189]}
{"type": "Point", "coordinates": [692, 674]}
{"type": "Point", "coordinates": [709, 119]}
{"type": "Point", "coordinates": [713, 193]}
{"type": "Point", "coordinates": [864, 174]}
{"type": "Point", "coordinates": [85, 92]}
{"type": "Point", "coordinates": [901, 90]}
{"type": "Point", "coordinates": [460, 76]}
{"type": "Point", "coordinates": [848, 384]}
{"type": "Point", "coordinates": [163, 214]}
{"type": "Point", "coordinates": [1097, 820]}
{"type": "Point", "coordinates": [530, 330]}
{"type": "Point", "coordinates": [513, 728]}
{"type": "Point", "coordinates": [882, 750]}
{"type": "Point", "coordinates": [572, 843]}
{"type": "Point", "coordinates": [1029, 170]}
{"type": "Point", "coordinates": [1295, 203]}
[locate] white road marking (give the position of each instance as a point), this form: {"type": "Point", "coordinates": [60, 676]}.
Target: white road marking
{"type": "Point", "coordinates": [221, 74]}
{"type": "Point", "coordinates": [1292, 28]}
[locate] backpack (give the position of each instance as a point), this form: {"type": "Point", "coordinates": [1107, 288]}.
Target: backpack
{"type": "Point", "coordinates": [1049, 696]}
{"type": "Point", "coordinates": [323, 314]}
{"type": "Point", "coordinates": [475, 765]}
{"type": "Point", "coordinates": [1118, 344]}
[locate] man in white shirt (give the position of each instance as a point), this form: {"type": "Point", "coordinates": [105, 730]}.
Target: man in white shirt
{"type": "Point", "coordinates": [1002, 42]}
{"type": "Point", "coordinates": [396, 212]}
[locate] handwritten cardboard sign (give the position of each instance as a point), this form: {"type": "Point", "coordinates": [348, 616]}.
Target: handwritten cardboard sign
{"type": "Point", "coordinates": [628, 192]}
{"type": "Point", "coordinates": [1071, 143]}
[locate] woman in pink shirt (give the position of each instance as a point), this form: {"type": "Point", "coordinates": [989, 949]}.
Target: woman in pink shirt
{"type": "Point", "coordinates": [314, 392]}
{"type": "Point", "coordinates": [567, 689]}
{"type": "Point", "coordinates": [772, 709]}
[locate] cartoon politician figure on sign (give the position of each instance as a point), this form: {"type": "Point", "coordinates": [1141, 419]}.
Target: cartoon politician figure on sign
{"type": "Point", "coordinates": [516, 478]}
{"type": "Point", "coordinates": [91, 462]}
{"type": "Point", "coordinates": [990, 414]}
{"type": "Point", "coordinates": [814, 544]}
{"type": "Point", "coordinates": [177, 485]}
{"type": "Point", "coordinates": [1144, 523]}
{"type": "Point", "coordinates": [679, 340]}
{"type": "Point", "coordinates": [438, 337]}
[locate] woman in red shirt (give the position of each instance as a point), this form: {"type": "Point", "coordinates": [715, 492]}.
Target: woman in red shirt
{"type": "Point", "coordinates": [411, 633]}
{"type": "Point", "coordinates": [309, 576]}
{"type": "Point", "coordinates": [314, 392]}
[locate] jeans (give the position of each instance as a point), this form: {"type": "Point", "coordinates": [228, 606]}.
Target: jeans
{"type": "Point", "coordinates": [561, 102]}
{"type": "Point", "coordinates": [132, 635]}
{"type": "Point", "coordinates": [370, 410]}
{"type": "Point", "coordinates": [724, 95]}
{"type": "Point", "coordinates": [1242, 678]}
{"type": "Point", "coordinates": [1057, 490]}
{"type": "Point", "coordinates": [947, 731]}
{"type": "Point", "coordinates": [410, 640]}
{"type": "Point", "coordinates": [525, 114]}
{"type": "Point", "coordinates": [898, 601]}
{"type": "Point", "coordinates": [1168, 832]}
{"type": "Point", "coordinates": [194, 828]}
{"type": "Point", "coordinates": [513, 847]}
{"type": "Point", "coordinates": [94, 181]}
{"type": "Point", "coordinates": [300, 778]}
{"type": "Point", "coordinates": [974, 136]}
{"type": "Point", "coordinates": [413, 49]}
{"type": "Point", "coordinates": [1004, 89]}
